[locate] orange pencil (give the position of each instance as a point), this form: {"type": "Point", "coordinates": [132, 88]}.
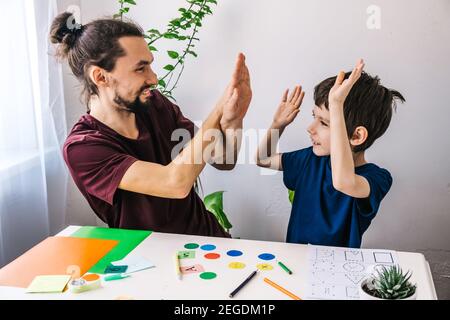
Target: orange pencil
{"type": "Point", "coordinates": [273, 284]}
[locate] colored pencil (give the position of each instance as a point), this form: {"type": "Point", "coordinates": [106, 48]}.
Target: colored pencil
{"type": "Point", "coordinates": [243, 284]}
{"type": "Point", "coordinates": [177, 266]}
{"type": "Point", "coordinates": [276, 286]}
{"type": "Point", "coordinates": [283, 266]}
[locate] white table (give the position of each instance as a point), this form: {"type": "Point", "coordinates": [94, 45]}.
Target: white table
{"type": "Point", "coordinates": [161, 283]}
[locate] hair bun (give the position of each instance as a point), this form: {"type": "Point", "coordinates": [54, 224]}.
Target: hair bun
{"type": "Point", "coordinates": [65, 30]}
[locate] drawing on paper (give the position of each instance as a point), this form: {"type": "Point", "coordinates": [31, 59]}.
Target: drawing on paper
{"type": "Point", "coordinates": [336, 273]}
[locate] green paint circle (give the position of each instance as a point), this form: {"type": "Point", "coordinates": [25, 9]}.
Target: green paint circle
{"type": "Point", "coordinates": [208, 275]}
{"type": "Point", "coordinates": [191, 246]}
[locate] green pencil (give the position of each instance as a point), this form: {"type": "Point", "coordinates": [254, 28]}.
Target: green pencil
{"type": "Point", "coordinates": [284, 267]}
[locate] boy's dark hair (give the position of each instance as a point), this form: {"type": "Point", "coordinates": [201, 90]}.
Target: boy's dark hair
{"type": "Point", "coordinates": [368, 104]}
{"type": "Point", "coordinates": [93, 44]}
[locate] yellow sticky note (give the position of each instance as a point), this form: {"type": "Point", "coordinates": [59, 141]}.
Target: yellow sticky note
{"type": "Point", "coordinates": [48, 284]}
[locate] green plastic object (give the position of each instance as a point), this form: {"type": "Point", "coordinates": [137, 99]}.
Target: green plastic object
{"type": "Point", "coordinates": [116, 277]}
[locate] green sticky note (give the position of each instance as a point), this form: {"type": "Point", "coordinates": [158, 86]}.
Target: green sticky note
{"type": "Point", "coordinates": [186, 254]}
{"type": "Point", "coordinates": [48, 284]}
{"type": "Point", "coordinates": [128, 241]}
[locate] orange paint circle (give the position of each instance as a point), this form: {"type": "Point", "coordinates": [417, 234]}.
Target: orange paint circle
{"type": "Point", "coordinates": [212, 256]}
{"type": "Point", "coordinates": [91, 277]}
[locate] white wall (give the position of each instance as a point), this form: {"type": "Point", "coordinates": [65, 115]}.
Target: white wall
{"type": "Point", "coordinates": [289, 42]}
{"type": "Point", "coordinates": [78, 210]}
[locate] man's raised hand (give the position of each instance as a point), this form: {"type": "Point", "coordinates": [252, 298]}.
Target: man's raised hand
{"type": "Point", "coordinates": [238, 95]}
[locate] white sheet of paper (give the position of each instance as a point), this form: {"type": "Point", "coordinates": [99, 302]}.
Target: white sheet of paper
{"type": "Point", "coordinates": [134, 264]}
{"type": "Point", "coordinates": [336, 273]}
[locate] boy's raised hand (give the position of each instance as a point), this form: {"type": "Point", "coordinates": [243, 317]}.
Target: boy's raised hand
{"type": "Point", "coordinates": [342, 87]}
{"type": "Point", "coordinates": [289, 108]}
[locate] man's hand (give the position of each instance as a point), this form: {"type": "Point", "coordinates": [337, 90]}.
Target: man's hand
{"type": "Point", "coordinates": [237, 97]}
{"type": "Point", "coordinates": [289, 108]}
{"type": "Point", "coordinates": [342, 87]}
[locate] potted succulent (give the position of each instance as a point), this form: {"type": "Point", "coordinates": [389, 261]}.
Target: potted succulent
{"type": "Point", "coordinates": [388, 283]}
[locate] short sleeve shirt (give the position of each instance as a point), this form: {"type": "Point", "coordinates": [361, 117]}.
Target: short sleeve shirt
{"type": "Point", "coordinates": [98, 157]}
{"type": "Point", "coordinates": [321, 215]}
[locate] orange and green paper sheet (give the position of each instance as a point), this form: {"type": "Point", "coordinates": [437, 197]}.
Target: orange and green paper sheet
{"type": "Point", "coordinates": [128, 241]}
{"type": "Point", "coordinates": [55, 256]}
{"type": "Point", "coordinates": [87, 250]}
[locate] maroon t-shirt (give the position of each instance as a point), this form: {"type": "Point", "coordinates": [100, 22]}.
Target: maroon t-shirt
{"type": "Point", "coordinates": [98, 157]}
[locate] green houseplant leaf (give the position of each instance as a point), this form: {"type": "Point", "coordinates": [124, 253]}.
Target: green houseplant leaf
{"type": "Point", "coordinates": [391, 283]}
{"type": "Point", "coordinates": [184, 28]}
{"type": "Point", "coordinates": [291, 196]}
{"type": "Point", "coordinates": [214, 204]}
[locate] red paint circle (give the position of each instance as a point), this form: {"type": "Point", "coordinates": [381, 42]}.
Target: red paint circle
{"type": "Point", "coordinates": [212, 256]}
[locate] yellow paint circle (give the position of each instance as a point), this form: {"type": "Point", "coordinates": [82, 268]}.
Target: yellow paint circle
{"type": "Point", "coordinates": [264, 267]}
{"type": "Point", "coordinates": [236, 265]}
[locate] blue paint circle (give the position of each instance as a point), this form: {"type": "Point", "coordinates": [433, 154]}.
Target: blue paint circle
{"type": "Point", "coordinates": [266, 256]}
{"type": "Point", "coordinates": [234, 253]}
{"type": "Point", "coordinates": [208, 247]}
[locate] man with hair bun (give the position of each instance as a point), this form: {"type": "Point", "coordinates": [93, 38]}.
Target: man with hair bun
{"type": "Point", "coordinates": [120, 152]}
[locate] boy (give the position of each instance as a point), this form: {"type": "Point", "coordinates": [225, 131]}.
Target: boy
{"type": "Point", "coordinates": [337, 193]}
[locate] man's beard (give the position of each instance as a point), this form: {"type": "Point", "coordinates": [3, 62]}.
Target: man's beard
{"type": "Point", "coordinates": [131, 106]}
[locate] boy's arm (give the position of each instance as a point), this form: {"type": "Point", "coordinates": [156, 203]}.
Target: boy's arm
{"type": "Point", "coordinates": [342, 165]}
{"type": "Point", "coordinates": [266, 155]}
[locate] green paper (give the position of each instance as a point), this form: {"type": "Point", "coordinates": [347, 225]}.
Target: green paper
{"type": "Point", "coordinates": [186, 255]}
{"type": "Point", "coordinates": [48, 284]}
{"type": "Point", "coordinates": [128, 241]}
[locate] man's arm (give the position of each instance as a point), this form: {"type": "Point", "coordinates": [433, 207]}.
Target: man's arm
{"type": "Point", "coordinates": [176, 179]}
{"type": "Point", "coordinates": [266, 155]}
{"type": "Point", "coordinates": [231, 124]}
{"type": "Point", "coordinates": [226, 153]}
{"type": "Point", "coordinates": [342, 165]}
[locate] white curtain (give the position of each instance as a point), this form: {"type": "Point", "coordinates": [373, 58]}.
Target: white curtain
{"type": "Point", "coordinates": [33, 178]}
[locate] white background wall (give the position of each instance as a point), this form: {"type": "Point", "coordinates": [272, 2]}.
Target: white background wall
{"type": "Point", "coordinates": [289, 42]}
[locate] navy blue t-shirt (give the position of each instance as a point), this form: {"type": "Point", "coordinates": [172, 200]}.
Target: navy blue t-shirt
{"type": "Point", "coordinates": [321, 215]}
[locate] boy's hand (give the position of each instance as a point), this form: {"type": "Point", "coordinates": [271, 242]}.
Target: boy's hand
{"type": "Point", "coordinates": [289, 108]}
{"type": "Point", "coordinates": [342, 87]}
{"type": "Point", "coordinates": [236, 99]}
